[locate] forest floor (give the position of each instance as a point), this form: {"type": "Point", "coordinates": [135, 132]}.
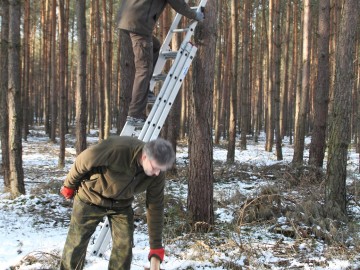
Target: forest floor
{"type": "Point", "coordinates": [268, 215]}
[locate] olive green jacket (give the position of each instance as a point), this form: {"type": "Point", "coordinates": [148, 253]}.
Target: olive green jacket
{"type": "Point", "coordinates": [140, 16]}
{"type": "Point", "coordinates": [108, 175]}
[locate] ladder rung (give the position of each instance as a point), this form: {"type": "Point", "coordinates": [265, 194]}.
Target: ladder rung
{"type": "Point", "coordinates": [180, 30]}
{"type": "Point", "coordinates": [159, 77]}
{"type": "Point", "coordinates": [169, 54]}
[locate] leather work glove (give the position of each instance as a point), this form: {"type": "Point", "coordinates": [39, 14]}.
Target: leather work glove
{"type": "Point", "coordinates": [68, 193]}
{"type": "Point", "coordinates": [200, 16]}
{"type": "Point", "coordinates": [158, 253]}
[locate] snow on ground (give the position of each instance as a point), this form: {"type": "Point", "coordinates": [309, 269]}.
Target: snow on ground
{"type": "Point", "coordinates": [36, 224]}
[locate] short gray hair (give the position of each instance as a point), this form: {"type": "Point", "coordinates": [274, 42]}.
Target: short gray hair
{"type": "Point", "coordinates": [161, 151]}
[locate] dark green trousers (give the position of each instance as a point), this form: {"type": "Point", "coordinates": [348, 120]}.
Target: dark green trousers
{"type": "Point", "coordinates": [146, 52]}
{"type": "Point", "coordinates": [84, 221]}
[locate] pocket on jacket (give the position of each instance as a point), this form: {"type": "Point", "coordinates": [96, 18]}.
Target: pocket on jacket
{"type": "Point", "coordinates": [92, 178]}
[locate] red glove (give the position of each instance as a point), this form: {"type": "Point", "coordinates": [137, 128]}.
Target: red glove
{"type": "Point", "coordinates": [158, 253]}
{"type": "Point", "coordinates": [68, 193]}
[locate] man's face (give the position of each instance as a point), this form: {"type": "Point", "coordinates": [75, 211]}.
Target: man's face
{"type": "Point", "coordinates": [151, 167]}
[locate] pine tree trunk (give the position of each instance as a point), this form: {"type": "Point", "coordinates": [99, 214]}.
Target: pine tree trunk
{"type": "Point", "coordinates": [107, 70]}
{"type": "Point", "coordinates": [92, 95]}
{"type": "Point", "coordinates": [284, 106]}
{"type": "Point", "coordinates": [17, 186]}
{"type": "Point", "coordinates": [26, 70]}
{"type": "Point", "coordinates": [270, 87]}
{"type": "Point", "coordinates": [234, 81]}
{"type": "Point", "coordinates": [200, 194]}
{"type": "Point", "coordinates": [245, 82]}
{"type": "Point", "coordinates": [127, 72]}
{"type": "Point", "coordinates": [81, 104]}
{"type": "Point", "coordinates": [294, 71]}
{"type": "Point", "coordinates": [219, 65]}
{"type": "Point", "coordinates": [62, 55]}
{"type": "Point", "coordinates": [46, 67]}
{"type": "Point", "coordinates": [276, 80]}
{"type": "Point", "coordinates": [318, 138]}
{"type": "Point", "coordinates": [100, 72]}
{"type": "Point", "coordinates": [339, 130]}
{"type": "Point", "coordinates": [4, 113]}
{"type": "Point", "coordinates": [304, 90]}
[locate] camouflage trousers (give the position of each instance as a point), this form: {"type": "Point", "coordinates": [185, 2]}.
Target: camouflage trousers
{"type": "Point", "coordinates": [84, 221]}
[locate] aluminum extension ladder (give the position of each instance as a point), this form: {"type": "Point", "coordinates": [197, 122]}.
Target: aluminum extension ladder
{"type": "Point", "coordinates": [164, 101]}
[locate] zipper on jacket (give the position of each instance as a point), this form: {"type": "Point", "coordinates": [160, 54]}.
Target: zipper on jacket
{"type": "Point", "coordinates": [131, 181]}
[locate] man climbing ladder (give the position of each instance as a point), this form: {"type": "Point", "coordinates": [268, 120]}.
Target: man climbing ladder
{"type": "Point", "coordinates": [137, 19]}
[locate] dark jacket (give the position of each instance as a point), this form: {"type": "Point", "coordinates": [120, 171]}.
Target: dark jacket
{"type": "Point", "coordinates": [140, 16]}
{"type": "Point", "coordinates": [108, 175]}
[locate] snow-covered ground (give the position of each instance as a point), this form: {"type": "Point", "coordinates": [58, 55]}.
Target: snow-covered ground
{"type": "Point", "coordinates": [33, 227]}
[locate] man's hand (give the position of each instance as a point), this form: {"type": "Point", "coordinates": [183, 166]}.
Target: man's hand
{"type": "Point", "coordinates": [68, 193]}
{"type": "Point", "coordinates": [200, 16]}
{"type": "Point", "coordinates": [154, 264]}
{"type": "Point", "coordinates": [158, 253]}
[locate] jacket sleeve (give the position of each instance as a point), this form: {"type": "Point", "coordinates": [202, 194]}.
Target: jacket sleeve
{"type": "Point", "coordinates": [180, 6]}
{"type": "Point", "coordinates": [155, 210]}
{"type": "Point", "coordinates": [90, 158]}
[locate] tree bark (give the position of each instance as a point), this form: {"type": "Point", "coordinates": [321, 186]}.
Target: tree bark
{"type": "Point", "coordinates": [46, 56]}
{"type": "Point", "coordinates": [62, 56]}
{"type": "Point", "coordinates": [269, 125]}
{"type": "Point", "coordinates": [234, 81]}
{"type": "Point", "coordinates": [294, 71]}
{"type": "Point", "coordinates": [219, 65]}
{"type": "Point", "coordinates": [318, 138]}
{"type": "Point", "coordinates": [284, 95]}
{"type": "Point", "coordinates": [127, 72]}
{"type": "Point", "coordinates": [4, 113]}
{"type": "Point", "coordinates": [107, 70]}
{"type": "Point", "coordinates": [53, 77]}
{"type": "Point", "coordinates": [26, 70]}
{"type": "Point", "coordinates": [245, 82]}
{"type": "Point", "coordinates": [304, 90]}
{"type": "Point", "coordinates": [339, 130]}
{"type": "Point", "coordinates": [276, 80]}
{"type": "Point", "coordinates": [81, 104]}
{"type": "Point", "coordinates": [17, 186]}
{"type": "Point", "coordinates": [100, 72]}
{"type": "Point", "coordinates": [200, 194]}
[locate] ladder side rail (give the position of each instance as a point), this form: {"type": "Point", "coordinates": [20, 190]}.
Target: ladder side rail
{"type": "Point", "coordinates": [166, 44]}
{"type": "Point", "coordinates": [128, 130]}
{"type": "Point", "coordinates": [98, 243]}
{"type": "Point", "coordinates": [169, 35]}
{"type": "Point", "coordinates": [160, 97]}
{"type": "Point", "coordinates": [160, 63]}
{"type": "Point", "coordinates": [162, 58]}
{"type": "Point", "coordinates": [172, 97]}
{"type": "Point", "coordinates": [186, 40]}
{"type": "Point", "coordinates": [191, 27]}
{"type": "Point", "coordinates": [183, 47]}
{"type": "Point", "coordinates": [168, 89]}
{"type": "Point", "coordinates": [194, 23]}
{"type": "Point", "coordinates": [105, 243]}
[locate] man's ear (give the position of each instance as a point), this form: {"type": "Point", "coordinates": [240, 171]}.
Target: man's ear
{"type": "Point", "coordinates": [142, 157]}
